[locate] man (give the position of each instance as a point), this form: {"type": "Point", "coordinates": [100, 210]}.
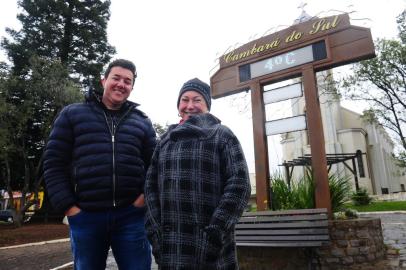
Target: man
{"type": "Point", "coordinates": [94, 165]}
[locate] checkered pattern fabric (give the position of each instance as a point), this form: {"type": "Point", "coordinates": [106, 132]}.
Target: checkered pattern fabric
{"type": "Point", "coordinates": [196, 190]}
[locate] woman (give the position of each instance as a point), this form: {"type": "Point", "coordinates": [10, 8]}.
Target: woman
{"type": "Point", "coordinates": [197, 188]}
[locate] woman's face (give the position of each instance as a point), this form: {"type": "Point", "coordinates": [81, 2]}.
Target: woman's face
{"type": "Point", "coordinates": [191, 103]}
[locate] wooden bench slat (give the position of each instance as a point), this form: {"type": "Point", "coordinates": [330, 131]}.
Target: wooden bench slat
{"type": "Point", "coordinates": [302, 224]}
{"type": "Point", "coordinates": [286, 212]}
{"type": "Point", "coordinates": [265, 238]}
{"type": "Point", "coordinates": [285, 232]}
{"type": "Point", "coordinates": [288, 228]}
{"type": "Point", "coordinates": [282, 218]}
{"type": "Point", "coordinates": [285, 244]}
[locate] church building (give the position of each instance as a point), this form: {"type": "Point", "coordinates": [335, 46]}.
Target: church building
{"type": "Point", "coordinates": [354, 147]}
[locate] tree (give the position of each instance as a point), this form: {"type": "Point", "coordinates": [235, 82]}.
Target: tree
{"type": "Point", "coordinates": [72, 31]}
{"type": "Point", "coordinates": [160, 129]}
{"type": "Point", "coordinates": [26, 122]}
{"type": "Point", "coordinates": [61, 48]}
{"type": "Point", "coordinates": [381, 82]}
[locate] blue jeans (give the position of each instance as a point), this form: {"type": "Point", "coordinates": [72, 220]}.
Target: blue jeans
{"type": "Point", "coordinates": [93, 233]}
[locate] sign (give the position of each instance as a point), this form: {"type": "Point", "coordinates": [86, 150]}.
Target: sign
{"type": "Point", "coordinates": [283, 93]}
{"type": "Point", "coordinates": [333, 40]}
{"type": "Point", "coordinates": [286, 38]}
{"type": "Point", "coordinates": [284, 125]}
{"type": "Point", "coordinates": [280, 62]}
{"type": "Point", "coordinates": [300, 50]}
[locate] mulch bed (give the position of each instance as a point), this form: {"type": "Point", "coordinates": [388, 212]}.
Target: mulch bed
{"type": "Point", "coordinates": [32, 232]}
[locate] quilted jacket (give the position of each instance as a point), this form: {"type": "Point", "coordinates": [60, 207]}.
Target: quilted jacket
{"type": "Point", "coordinates": [96, 158]}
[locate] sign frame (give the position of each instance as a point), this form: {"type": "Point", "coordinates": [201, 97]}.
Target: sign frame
{"type": "Point", "coordinates": [345, 43]}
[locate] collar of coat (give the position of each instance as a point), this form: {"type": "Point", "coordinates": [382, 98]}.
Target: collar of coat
{"type": "Point", "coordinates": [93, 96]}
{"type": "Point", "coordinates": [202, 126]}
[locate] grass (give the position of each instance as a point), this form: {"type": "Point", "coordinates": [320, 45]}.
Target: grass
{"type": "Point", "coordinates": [372, 207]}
{"type": "Point", "coordinates": [378, 206]}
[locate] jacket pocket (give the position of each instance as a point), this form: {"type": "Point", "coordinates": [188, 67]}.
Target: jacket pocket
{"type": "Point", "coordinates": [209, 249]}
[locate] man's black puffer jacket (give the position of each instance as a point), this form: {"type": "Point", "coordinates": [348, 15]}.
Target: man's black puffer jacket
{"type": "Point", "coordinates": [97, 160]}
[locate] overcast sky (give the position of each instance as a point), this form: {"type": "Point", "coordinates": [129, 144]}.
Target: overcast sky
{"type": "Point", "coordinates": [173, 41]}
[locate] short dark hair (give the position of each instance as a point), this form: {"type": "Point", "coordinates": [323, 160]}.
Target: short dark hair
{"type": "Point", "coordinates": [121, 63]}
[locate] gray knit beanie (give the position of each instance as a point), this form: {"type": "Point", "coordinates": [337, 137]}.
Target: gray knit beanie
{"type": "Point", "coordinates": [198, 86]}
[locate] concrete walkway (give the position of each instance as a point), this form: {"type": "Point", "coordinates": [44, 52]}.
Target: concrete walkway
{"type": "Point", "coordinates": [393, 230]}
{"type": "Point", "coordinates": [394, 234]}
{"type": "Point", "coordinates": [111, 263]}
{"type": "Point", "coordinates": [56, 255]}
{"type": "Point", "coordinates": [49, 255]}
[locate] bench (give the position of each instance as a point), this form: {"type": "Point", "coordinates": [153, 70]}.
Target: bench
{"type": "Point", "coordinates": [302, 228]}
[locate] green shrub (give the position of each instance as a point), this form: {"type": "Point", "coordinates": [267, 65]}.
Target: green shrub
{"type": "Point", "coordinates": [300, 194]}
{"type": "Point", "coordinates": [347, 214]}
{"type": "Point", "coordinates": [305, 192]}
{"type": "Point", "coordinates": [361, 197]}
{"type": "Point", "coordinates": [281, 195]}
{"type": "Point", "coordinates": [351, 213]}
{"type": "Point", "coordinates": [340, 188]}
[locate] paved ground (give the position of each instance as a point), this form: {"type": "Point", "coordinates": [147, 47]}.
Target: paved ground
{"type": "Point", "coordinates": [51, 255]}
{"type": "Point", "coordinates": [111, 263]}
{"type": "Point", "coordinates": [56, 256]}
{"type": "Point", "coordinates": [42, 256]}
{"type": "Point", "coordinates": [394, 233]}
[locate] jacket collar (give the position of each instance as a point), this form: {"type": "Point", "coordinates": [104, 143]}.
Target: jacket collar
{"type": "Point", "coordinates": [93, 96]}
{"type": "Point", "coordinates": [202, 126]}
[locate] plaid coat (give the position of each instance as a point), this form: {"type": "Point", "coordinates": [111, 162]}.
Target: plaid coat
{"type": "Point", "coordinates": [196, 190]}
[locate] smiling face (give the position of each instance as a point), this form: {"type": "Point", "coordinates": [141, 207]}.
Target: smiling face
{"type": "Point", "coordinates": [191, 103]}
{"type": "Point", "coordinates": [117, 87]}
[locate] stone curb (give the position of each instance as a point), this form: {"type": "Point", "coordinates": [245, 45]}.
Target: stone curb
{"type": "Point", "coordinates": [63, 266]}
{"type": "Point", "coordinates": [37, 243]}
{"type": "Point", "coordinates": [382, 212]}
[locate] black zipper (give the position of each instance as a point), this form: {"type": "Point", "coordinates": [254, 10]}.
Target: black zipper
{"type": "Point", "coordinates": [112, 129]}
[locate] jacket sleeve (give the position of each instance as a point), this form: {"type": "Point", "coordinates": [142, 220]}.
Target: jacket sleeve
{"type": "Point", "coordinates": [153, 213]}
{"type": "Point", "coordinates": [57, 163]}
{"type": "Point", "coordinates": [237, 188]}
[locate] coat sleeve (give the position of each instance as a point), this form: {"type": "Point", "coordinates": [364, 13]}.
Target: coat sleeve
{"type": "Point", "coordinates": [153, 213]}
{"type": "Point", "coordinates": [149, 143]}
{"type": "Point", "coordinates": [237, 188]}
{"type": "Point", "coordinates": [57, 163]}
{"type": "Point", "coordinates": [152, 193]}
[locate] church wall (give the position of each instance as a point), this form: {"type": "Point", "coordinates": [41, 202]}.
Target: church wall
{"type": "Point", "coordinates": [345, 132]}
{"type": "Point", "coordinates": [353, 140]}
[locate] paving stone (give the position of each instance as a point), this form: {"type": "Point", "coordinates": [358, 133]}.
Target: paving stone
{"type": "Point", "coordinates": [49, 256]}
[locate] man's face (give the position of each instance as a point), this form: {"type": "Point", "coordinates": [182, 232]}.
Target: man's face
{"type": "Point", "coordinates": [117, 87]}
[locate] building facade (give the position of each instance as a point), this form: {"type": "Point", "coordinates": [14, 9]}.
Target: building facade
{"type": "Point", "coordinates": [346, 133]}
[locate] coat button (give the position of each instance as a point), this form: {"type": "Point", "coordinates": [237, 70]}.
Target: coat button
{"type": "Point", "coordinates": [167, 228]}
